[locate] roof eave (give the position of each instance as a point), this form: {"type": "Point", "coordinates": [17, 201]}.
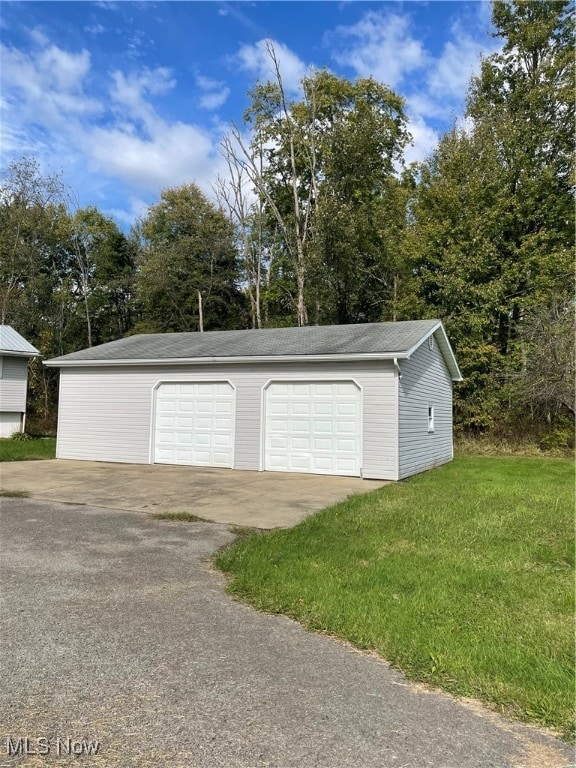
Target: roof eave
{"type": "Point", "coordinates": [15, 353]}
{"type": "Point", "coordinates": [62, 363]}
{"type": "Point", "coordinates": [445, 348]}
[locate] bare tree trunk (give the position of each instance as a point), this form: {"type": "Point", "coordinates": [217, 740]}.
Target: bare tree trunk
{"type": "Point", "coordinates": [258, 278]}
{"type": "Point", "coordinates": [88, 321]}
{"type": "Point", "coordinates": [82, 254]}
{"type": "Point", "coordinates": [295, 229]}
{"type": "Point", "coordinates": [232, 196]}
{"type": "Point", "coordinates": [200, 314]}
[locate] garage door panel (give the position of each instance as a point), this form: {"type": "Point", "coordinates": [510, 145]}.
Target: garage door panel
{"type": "Point", "coordinates": [201, 420]}
{"type": "Point", "coordinates": [345, 466]}
{"type": "Point", "coordinates": [347, 388]}
{"type": "Point", "coordinates": [322, 409]}
{"type": "Point", "coordinates": [321, 431]}
{"type": "Point", "coordinates": [299, 463]}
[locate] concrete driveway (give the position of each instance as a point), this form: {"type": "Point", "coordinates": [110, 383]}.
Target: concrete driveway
{"type": "Point", "coordinates": [258, 499]}
{"type": "Point", "coordinates": [114, 628]}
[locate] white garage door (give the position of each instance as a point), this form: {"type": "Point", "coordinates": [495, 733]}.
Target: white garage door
{"type": "Point", "coordinates": [314, 427]}
{"type": "Point", "coordinates": [194, 424]}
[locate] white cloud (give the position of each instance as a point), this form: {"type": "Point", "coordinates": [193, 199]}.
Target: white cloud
{"type": "Point", "coordinates": [95, 29]}
{"type": "Point", "coordinates": [66, 71]}
{"type": "Point", "coordinates": [38, 36]}
{"type": "Point", "coordinates": [424, 140]}
{"type": "Point", "coordinates": [135, 208]}
{"type": "Point", "coordinates": [132, 91]}
{"type": "Point", "coordinates": [214, 100]}
{"type": "Point", "coordinates": [170, 154]}
{"type": "Point", "coordinates": [256, 60]}
{"type": "Point", "coordinates": [46, 87]}
{"type": "Point", "coordinates": [215, 92]}
{"type": "Point", "coordinates": [384, 45]}
{"type": "Point", "coordinates": [120, 142]}
{"type": "Point", "coordinates": [380, 45]}
{"type": "Point", "coordinates": [460, 59]}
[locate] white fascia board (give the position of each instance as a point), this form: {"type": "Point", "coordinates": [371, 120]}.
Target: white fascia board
{"type": "Point", "coordinates": [228, 360]}
{"type": "Point", "coordinates": [448, 352]}
{"type": "Point", "coordinates": [13, 353]}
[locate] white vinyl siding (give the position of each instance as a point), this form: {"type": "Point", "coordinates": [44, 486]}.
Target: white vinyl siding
{"type": "Point", "coordinates": [313, 427]}
{"type": "Point", "coordinates": [424, 411]}
{"type": "Point", "coordinates": [105, 413]}
{"type": "Point", "coordinates": [194, 424]}
{"type": "Point", "coordinates": [10, 422]}
{"type": "Point", "coordinates": [13, 384]}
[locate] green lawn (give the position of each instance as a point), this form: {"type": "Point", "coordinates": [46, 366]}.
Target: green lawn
{"type": "Point", "coordinates": [462, 577]}
{"type": "Point", "coordinates": [22, 450]}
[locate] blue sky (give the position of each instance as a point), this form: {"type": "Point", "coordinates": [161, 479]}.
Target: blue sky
{"type": "Point", "coordinates": [129, 98]}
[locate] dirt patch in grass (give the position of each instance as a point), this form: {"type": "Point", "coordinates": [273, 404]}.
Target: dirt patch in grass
{"type": "Point", "coordinates": [178, 517]}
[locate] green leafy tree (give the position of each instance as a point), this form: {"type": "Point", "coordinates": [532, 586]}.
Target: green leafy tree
{"type": "Point", "coordinates": [542, 387]}
{"type": "Point", "coordinates": [327, 184]}
{"type": "Point", "coordinates": [33, 225]}
{"type": "Point", "coordinates": [493, 236]}
{"type": "Point", "coordinates": [101, 263]}
{"type": "Point", "coordinates": [188, 275]}
{"type": "Point", "coordinates": [65, 278]}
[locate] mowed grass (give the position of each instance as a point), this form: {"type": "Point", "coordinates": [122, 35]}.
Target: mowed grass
{"type": "Point", "coordinates": [23, 450]}
{"type": "Point", "coordinates": [461, 577]}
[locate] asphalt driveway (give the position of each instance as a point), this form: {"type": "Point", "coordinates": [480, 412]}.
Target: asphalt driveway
{"type": "Point", "coordinates": [115, 628]}
{"type": "Point", "coordinates": [254, 499]}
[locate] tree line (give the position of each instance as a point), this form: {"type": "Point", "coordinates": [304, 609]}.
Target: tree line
{"type": "Point", "coordinates": [319, 220]}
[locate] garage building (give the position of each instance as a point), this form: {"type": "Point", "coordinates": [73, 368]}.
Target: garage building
{"type": "Point", "coordinates": [15, 352]}
{"type": "Point", "coordinates": [371, 400]}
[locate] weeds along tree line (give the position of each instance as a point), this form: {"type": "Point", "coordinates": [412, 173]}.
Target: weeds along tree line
{"type": "Point", "coordinates": [319, 220]}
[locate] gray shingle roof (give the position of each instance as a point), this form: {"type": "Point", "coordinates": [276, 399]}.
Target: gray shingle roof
{"type": "Point", "coordinates": [11, 342]}
{"type": "Point", "coordinates": [363, 339]}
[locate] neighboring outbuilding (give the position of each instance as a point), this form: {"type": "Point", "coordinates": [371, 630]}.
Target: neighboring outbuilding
{"type": "Point", "coordinates": [371, 400]}
{"type": "Point", "coordinates": [15, 352]}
